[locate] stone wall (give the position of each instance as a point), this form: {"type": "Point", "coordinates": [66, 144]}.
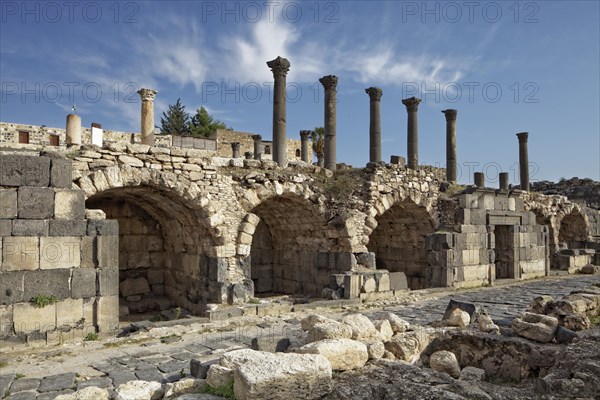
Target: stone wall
{"type": "Point", "coordinates": [52, 249]}
{"type": "Point", "coordinates": [226, 137]}
{"type": "Point", "coordinates": [493, 238]}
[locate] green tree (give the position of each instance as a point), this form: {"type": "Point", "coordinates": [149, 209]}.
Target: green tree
{"type": "Point", "coordinates": [204, 125]}
{"type": "Point", "coordinates": [318, 144]}
{"type": "Point", "coordinates": [175, 121]}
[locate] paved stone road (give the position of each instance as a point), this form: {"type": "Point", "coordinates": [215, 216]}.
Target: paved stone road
{"type": "Point", "coordinates": [167, 359]}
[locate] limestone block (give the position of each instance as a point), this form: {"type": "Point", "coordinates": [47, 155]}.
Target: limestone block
{"type": "Point", "coordinates": [309, 322]}
{"type": "Point", "coordinates": [5, 229]}
{"type": "Point", "coordinates": [383, 282]}
{"type": "Point", "coordinates": [376, 350]}
{"type": "Point", "coordinates": [133, 286]}
{"type": "Point", "coordinates": [345, 261]}
{"type": "Point", "coordinates": [87, 393]}
{"type": "Point", "coordinates": [468, 200]}
{"type": "Point", "coordinates": [28, 318]}
{"type": "Point", "coordinates": [69, 312]}
{"type": "Point", "coordinates": [477, 217]}
{"type": "Point", "coordinates": [107, 314]}
{"type": "Point", "coordinates": [24, 171]}
{"type": "Point", "coordinates": [69, 204]}
{"type": "Point", "coordinates": [218, 375]}
{"type": "Point", "coordinates": [6, 320]}
{"type": "Point", "coordinates": [458, 318]}
{"type": "Point", "coordinates": [11, 287]}
{"type": "Point", "coordinates": [486, 324]}
{"type": "Point", "coordinates": [47, 282]}
{"type": "Point", "coordinates": [541, 328]}
{"type": "Point", "coordinates": [384, 328]}
{"type": "Point", "coordinates": [30, 227]}
{"type": "Point", "coordinates": [20, 253]}
{"type": "Point", "coordinates": [35, 203]}
{"type": "Point", "coordinates": [107, 251]}
{"type": "Point", "coordinates": [445, 361]}
{"type": "Point", "coordinates": [398, 281]}
{"type": "Point", "coordinates": [104, 227]}
{"type": "Point", "coordinates": [108, 281]}
{"type": "Point", "coordinates": [139, 390]}
{"type": "Point", "coordinates": [60, 252]}
{"type": "Point", "coordinates": [408, 346]}
{"type": "Point", "coordinates": [88, 311]}
{"type": "Point", "coordinates": [61, 175]}
{"type": "Point", "coordinates": [369, 284]}
{"type": "Point", "coordinates": [156, 276]}
{"type": "Point", "coordinates": [362, 327]}
{"type": "Point", "coordinates": [67, 228]}
{"type": "Point", "coordinates": [305, 376]}
{"type": "Point", "coordinates": [88, 252]}
{"type": "Point", "coordinates": [8, 203]}
{"type": "Point", "coordinates": [83, 283]}
{"type": "Point", "coordinates": [397, 324]}
{"type": "Point", "coordinates": [352, 285]}
{"type": "Point", "coordinates": [343, 354]}
{"type": "Point", "coordinates": [328, 330]}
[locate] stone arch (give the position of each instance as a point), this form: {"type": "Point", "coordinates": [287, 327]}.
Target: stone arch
{"type": "Point", "coordinates": [542, 218]}
{"type": "Point", "coordinates": [398, 238]}
{"type": "Point", "coordinates": [167, 242]}
{"type": "Point", "coordinates": [573, 228]}
{"type": "Point", "coordinates": [284, 237]}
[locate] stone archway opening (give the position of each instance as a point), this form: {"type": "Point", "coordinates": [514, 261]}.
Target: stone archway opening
{"type": "Point", "coordinates": [572, 233]}
{"type": "Point", "coordinates": [163, 247]}
{"type": "Point", "coordinates": [287, 254]}
{"type": "Point", "coordinates": [398, 241]}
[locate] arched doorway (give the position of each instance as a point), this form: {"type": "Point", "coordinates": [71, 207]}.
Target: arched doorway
{"type": "Point", "coordinates": [287, 251]}
{"type": "Point", "coordinates": [398, 241]}
{"type": "Point", "coordinates": [573, 230]}
{"type": "Point", "coordinates": [163, 249]}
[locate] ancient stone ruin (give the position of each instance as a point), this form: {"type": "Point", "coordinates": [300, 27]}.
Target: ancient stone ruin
{"type": "Point", "coordinates": [91, 236]}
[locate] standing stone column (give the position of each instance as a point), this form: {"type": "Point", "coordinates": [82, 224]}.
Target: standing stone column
{"type": "Point", "coordinates": [280, 67]}
{"type": "Point", "coordinates": [504, 181]}
{"type": "Point", "coordinates": [73, 134]}
{"type": "Point", "coordinates": [374, 124]}
{"type": "Point", "coordinates": [412, 106]}
{"type": "Point", "coordinates": [147, 96]}
{"type": "Point", "coordinates": [235, 150]}
{"type": "Point", "coordinates": [329, 83]}
{"type": "Point", "coordinates": [304, 148]}
{"type": "Point", "coordinates": [479, 178]}
{"type": "Point", "coordinates": [523, 160]}
{"type": "Point", "coordinates": [257, 146]}
{"type": "Point", "coordinates": [450, 144]}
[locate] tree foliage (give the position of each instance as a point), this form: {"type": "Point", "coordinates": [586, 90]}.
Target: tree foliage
{"type": "Point", "coordinates": [204, 125]}
{"type": "Point", "coordinates": [318, 144]}
{"type": "Point", "coordinates": [175, 121]}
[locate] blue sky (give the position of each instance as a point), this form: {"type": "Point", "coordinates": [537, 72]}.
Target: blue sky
{"type": "Point", "coordinates": [506, 66]}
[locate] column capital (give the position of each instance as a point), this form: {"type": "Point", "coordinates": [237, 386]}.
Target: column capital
{"type": "Point", "coordinates": [329, 82]}
{"type": "Point", "coordinates": [280, 66]}
{"type": "Point", "coordinates": [147, 94]}
{"type": "Point", "coordinates": [305, 135]}
{"type": "Point", "coordinates": [257, 138]}
{"type": "Point", "coordinates": [374, 93]}
{"type": "Point", "coordinates": [523, 136]}
{"type": "Point", "coordinates": [235, 145]}
{"type": "Point", "coordinates": [412, 104]}
{"type": "Point", "coordinates": [450, 114]}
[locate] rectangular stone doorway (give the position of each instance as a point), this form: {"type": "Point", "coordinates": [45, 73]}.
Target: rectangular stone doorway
{"type": "Point", "coordinates": [505, 251]}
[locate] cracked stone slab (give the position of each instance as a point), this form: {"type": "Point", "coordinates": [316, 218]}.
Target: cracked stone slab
{"type": "Point", "coordinates": [24, 384]}
{"type": "Point", "coordinates": [5, 382]}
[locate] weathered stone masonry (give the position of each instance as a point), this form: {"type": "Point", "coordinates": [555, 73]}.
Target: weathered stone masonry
{"type": "Point", "coordinates": [198, 229]}
{"type": "Point", "coordinates": [50, 246]}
